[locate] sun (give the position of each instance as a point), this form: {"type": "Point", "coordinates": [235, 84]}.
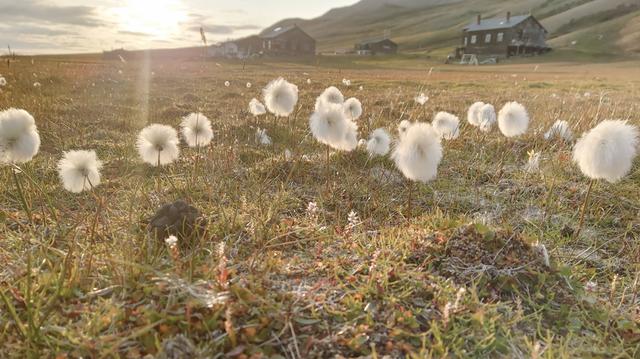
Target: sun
{"type": "Point", "coordinates": [159, 18]}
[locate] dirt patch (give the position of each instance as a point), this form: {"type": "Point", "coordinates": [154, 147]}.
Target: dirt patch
{"type": "Point", "coordinates": [500, 264]}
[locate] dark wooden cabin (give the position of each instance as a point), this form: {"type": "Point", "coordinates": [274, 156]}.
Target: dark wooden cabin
{"type": "Point", "coordinates": [504, 37]}
{"type": "Point", "coordinates": [376, 46]}
{"type": "Point", "coordinates": [288, 41]}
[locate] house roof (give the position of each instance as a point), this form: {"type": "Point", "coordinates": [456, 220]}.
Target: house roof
{"type": "Point", "coordinates": [277, 31]}
{"type": "Point", "coordinates": [374, 41]}
{"type": "Point", "coordinates": [496, 23]}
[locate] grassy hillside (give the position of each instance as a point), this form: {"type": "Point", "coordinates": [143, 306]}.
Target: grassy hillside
{"type": "Point", "coordinates": [435, 25]}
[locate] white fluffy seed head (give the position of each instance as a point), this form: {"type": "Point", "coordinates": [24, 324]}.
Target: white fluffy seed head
{"type": "Point", "coordinates": [513, 119]}
{"type": "Point", "coordinates": [487, 117]}
{"type": "Point", "coordinates": [607, 151]}
{"type": "Point", "coordinates": [280, 97]}
{"type": "Point", "coordinates": [196, 130]}
{"type": "Point", "coordinates": [403, 126]}
{"type": "Point", "coordinates": [79, 170]}
{"type": "Point", "coordinates": [256, 107]}
{"type": "Point", "coordinates": [421, 99]}
{"type": "Point", "coordinates": [19, 138]}
{"type": "Point", "coordinates": [560, 129]}
{"type": "Point", "coordinates": [353, 108]}
{"type": "Point", "coordinates": [262, 138]}
{"type": "Point", "coordinates": [329, 125]}
{"type": "Point", "coordinates": [379, 142]}
{"type": "Point", "coordinates": [473, 114]}
{"type": "Point", "coordinates": [419, 153]}
{"type": "Point", "coordinates": [349, 141]}
{"type": "Point", "coordinates": [330, 95]}
{"type": "Point", "coordinates": [158, 144]}
{"type": "Point", "coordinates": [3, 81]}
{"type": "Point", "coordinates": [446, 125]}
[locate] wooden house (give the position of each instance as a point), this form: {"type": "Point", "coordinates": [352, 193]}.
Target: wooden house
{"type": "Point", "coordinates": [289, 41]}
{"type": "Point", "coordinates": [376, 46]}
{"type": "Point", "coordinates": [504, 37]}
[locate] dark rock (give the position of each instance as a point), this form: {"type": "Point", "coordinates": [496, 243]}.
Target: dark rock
{"type": "Point", "coordinates": [178, 219]}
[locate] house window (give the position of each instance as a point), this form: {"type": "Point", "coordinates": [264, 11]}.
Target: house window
{"type": "Point", "coordinates": [474, 39]}
{"type": "Point", "coordinates": [487, 38]}
{"type": "Point", "coordinates": [500, 36]}
{"type": "Point", "coordinates": [466, 40]}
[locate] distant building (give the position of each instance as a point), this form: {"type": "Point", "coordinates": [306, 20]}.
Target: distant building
{"type": "Point", "coordinates": [504, 37]}
{"type": "Point", "coordinates": [279, 41]}
{"type": "Point", "coordinates": [376, 46]}
{"type": "Point", "coordinates": [290, 40]}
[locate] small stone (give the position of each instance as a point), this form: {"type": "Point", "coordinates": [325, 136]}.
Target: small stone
{"type": "Point", "coordinates": [176, 219]}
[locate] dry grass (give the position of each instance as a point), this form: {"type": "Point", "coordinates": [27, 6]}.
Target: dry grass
{"type": "Point", "coordinates": [270, 279]}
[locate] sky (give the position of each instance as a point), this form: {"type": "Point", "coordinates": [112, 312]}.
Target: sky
{"type": "Point", "coordinates": [72, 26]}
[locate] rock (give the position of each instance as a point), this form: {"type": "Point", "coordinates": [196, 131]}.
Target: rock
{"type": "Point", "coordinates": [178, 219]}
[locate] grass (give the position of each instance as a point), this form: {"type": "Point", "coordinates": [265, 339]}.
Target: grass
{"type": "Point", "coordinates": [461, 277]}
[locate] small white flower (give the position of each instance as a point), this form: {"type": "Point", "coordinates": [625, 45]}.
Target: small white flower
{"type": "Point", "coordinates": [533, 165]}
{"type": "Point", "coordinates": [3, 81]}
{"type": "Point", "coordinates": [171, 241]}
{"type": "Point", "coordinates": [248, 85]}
{"type": "Point", "coordinates": [421, 99]}
{"type": "Point", "coordinates": [227, 84]}
{"type": "Point", "coordinates": [262, 137]}
{"type": "Point", "coordinates": [312, 209]}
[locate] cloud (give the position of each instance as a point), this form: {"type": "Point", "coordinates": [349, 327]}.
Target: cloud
{"type": "Point", "coordinates": [37, 11]}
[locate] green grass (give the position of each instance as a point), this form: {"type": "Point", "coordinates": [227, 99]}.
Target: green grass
{"type": "Point", "coordinates": [458, 277]}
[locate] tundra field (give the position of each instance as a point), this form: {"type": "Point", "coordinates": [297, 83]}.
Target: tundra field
{"type": "Point", "coordinates": [304, 257]}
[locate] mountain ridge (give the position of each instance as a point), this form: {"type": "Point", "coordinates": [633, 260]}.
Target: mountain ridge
{"type": "Point", "coordinates": [593, 26]}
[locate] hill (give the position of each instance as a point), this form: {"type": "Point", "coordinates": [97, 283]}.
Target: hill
{"type": "Point", "coordinates": [590, 26]}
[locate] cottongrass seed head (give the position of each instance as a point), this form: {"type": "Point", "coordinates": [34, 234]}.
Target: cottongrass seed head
{"type": "Point", "coordinates": [473, 114]}
{"type": "Point", "coordinates": [379, 142]}
{"type": "Point", "coordinates": [262, 138]}
{"type": "Point", "coordinates": [421, 99]}
{"type": "Point", "coordinates": [19, 138]}
{"type": "Point", "coordinates": [256, 107]}
{"type": "Point", "coordinates": [329, 125]}
{"type": "Point", "coordinates": [350, 139]}
{"type": "Point", "coordinates": [330, 95]}
{"type": "Point", "coordinates": [487, 117]}
{"type": "Point", "coordinates": [353, 108]}
{"type": "Point", "coordinates": [158, 145]}
{"type": "Point", "coordinates": [561, 130]}
{"type": "Point", "coordinates": [607, 151]}
{"type": "Point", "coordinates": [513, 119]}
{"type": "Point", "coordinates": [280, 97]}
{"type": "Point", "coordinates": [3, 81]}
{"type": "Point", "coordinates": [446, 125]}
{"type": "Point", "coordinates": [79, 170]}
{"type": "Point", "coordinates": [403, 126]}
{"type": "Point", "coordinates": [196, 130]}
{"type": "Point", "coordinates": [419, 153]}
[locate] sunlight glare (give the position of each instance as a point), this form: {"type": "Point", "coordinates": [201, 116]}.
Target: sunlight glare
{"type": "Point", "coordinates": [160, 18]}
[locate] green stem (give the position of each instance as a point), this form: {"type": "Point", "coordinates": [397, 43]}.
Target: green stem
{"type": "Point", "coordinates": [583, 211]}
{"type": "Point", "coordinates": [21, 193]}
